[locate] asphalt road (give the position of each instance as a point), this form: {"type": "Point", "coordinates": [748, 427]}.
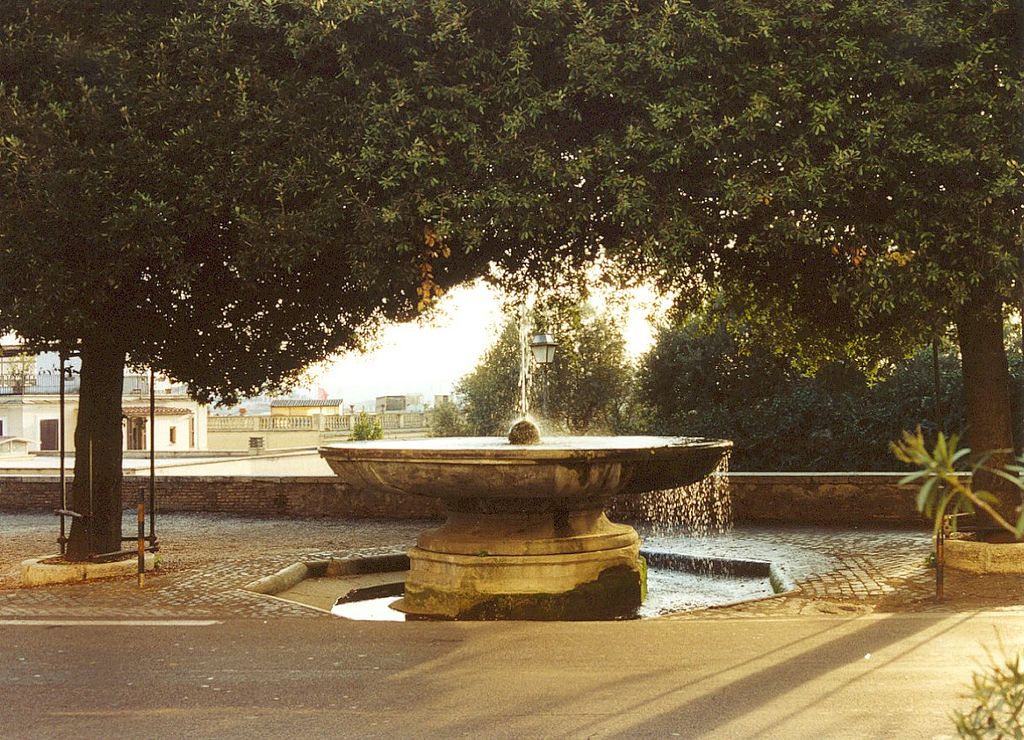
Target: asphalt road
{"type": "Point", "coordinates": [872, 676]}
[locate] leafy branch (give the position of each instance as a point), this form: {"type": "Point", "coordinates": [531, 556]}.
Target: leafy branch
{"type": "Point", "coordinates": [998, 692]}
{"type": "Point", "coordinates": [943, 490]}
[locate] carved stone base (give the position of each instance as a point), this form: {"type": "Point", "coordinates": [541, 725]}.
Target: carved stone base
{"type": "Point", "coordinates": [553, 565]}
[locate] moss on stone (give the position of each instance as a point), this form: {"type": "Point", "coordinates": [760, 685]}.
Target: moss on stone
{"type": "Point", "coordinates": [524, 432]}
{"type": "Point", "coordinates": [616, 594]}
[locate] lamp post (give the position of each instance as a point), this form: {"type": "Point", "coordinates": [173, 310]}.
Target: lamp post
{"type": "Point", "coordinates": [543, 346]}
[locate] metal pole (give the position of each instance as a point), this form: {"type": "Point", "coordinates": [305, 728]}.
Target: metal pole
{"type": "Point", "coordinates": [152, 459]}
{"type": "Point", "coordinates": [940, 537]}
{"type": "Point", "coordinates": [546, 383]}
{"type": "Point", "coordinates": [62, 541]}
{"type": "Point", "coordinates": [142, 538]}
{"type": "Point", "coordinates": [91, 510]}
{"type": "Point", "coordinates": [937, 385]}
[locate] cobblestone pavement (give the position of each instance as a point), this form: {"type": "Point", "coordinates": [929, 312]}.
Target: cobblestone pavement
{"type": "Point", "coordinates": [205, 561]}
{"type": "Point", "coordinates": [207, 558]}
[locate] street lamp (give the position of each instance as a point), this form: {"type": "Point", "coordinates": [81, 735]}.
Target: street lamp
{"type": "Point", "coordinates": [543, 346]}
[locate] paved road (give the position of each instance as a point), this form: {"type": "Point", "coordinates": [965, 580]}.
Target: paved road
{"type": "Point", "coordinates": [871, 676]}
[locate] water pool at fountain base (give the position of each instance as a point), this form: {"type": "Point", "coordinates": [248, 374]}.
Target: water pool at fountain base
{"type": "Point", "coordinates": [674, 592]}
{"type": "Point", "coordinates": [357, 589]}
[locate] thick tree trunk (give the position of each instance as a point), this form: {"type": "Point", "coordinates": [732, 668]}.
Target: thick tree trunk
{"type": "Point", "coordinates": [987, 398]}
{"type": "Point", "coordinates": [98, 443]}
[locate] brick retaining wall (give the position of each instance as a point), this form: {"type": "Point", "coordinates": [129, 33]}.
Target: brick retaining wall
{"type": "Point", "coordinates": [836, 499]}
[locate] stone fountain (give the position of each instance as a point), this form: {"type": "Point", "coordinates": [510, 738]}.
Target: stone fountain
{"type": "Point", "coordinates": [526, 536]}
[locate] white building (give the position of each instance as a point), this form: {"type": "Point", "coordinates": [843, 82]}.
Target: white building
{"type": "Point", "coordinates": [30, 407]}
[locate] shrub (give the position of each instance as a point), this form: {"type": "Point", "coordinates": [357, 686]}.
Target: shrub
{"type": "Point", "coordinates": [366, 427]}
{"type": "Point", "coordinates": [708, 381]}
{"type": "Point", "coordinates": [998, 693]}
{"type": "Point", "coordinates": [448, 421]}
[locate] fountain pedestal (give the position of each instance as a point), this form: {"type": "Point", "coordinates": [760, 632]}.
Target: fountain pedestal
{"type": "Point", "coordinates": [530, 559]}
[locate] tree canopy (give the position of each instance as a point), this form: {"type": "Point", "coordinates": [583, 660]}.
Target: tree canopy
{"type": "Point", "coordinates": [228, 190]}
{"type": "Point", "coordinates": [262, 175]}
{"type": "Point", "coordinates": [232, 190]}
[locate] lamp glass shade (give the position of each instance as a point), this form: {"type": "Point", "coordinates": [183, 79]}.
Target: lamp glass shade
{"type": "Point", "coordinates": [543, 346]}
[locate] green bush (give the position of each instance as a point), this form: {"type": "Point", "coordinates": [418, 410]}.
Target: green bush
{"type": "Point", "coordinates": [709, 381]}
{"type": "Point", "coordinates": [588, 384]}
{"type": "Point", "coordinates": [366, 427]}
{"type": "Point", "coordinates": [448, 421]}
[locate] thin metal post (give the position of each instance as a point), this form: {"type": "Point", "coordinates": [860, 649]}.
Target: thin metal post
{"type": "Point", "coordinates": [937, 385]}
{"type": "Point", "coordinates": [546, 384]}
{"type": "Point", "coordinates": [142, 538]}
{"type": "Point", "coordinates": [152, 458]}
{"type": "Point", "coordinates": [1018, 11]}
{"type": "Point", "coordinates": [92, 511]}
{"type": "Point", "coordinates": [62, 541]}
{"type": "Point", "coordinates": [940, 559]}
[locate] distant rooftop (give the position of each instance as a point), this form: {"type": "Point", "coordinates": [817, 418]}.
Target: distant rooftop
{"type": "Point", "coordinates": [286, 402]}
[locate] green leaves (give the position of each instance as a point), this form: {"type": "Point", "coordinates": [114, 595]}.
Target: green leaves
{"type": "Point", "coordinates": [943, 491]}
{"type": "Point", "coordinates": [997, 694]}
{"type": "Point", "coordinates": [587, 385]}
{"type": "Point", "coordinates": [288, 155]}
{"type": "Point", "coordinates": [366, 427]}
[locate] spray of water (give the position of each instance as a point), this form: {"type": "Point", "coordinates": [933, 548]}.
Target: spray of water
{"type": "Point", "coordinates": [699, 509]}
{"type": "Point", "coordinates": [524, 361]}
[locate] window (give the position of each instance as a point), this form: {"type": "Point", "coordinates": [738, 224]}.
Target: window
{"type": "Point", "coordinates": [174, 435]}
{"type": "Point", "coordinates": [49, 434]}
{"type": "Point", "coordinates": [2, 427]}
{"type": "Point", "coordinates": [137, 433]}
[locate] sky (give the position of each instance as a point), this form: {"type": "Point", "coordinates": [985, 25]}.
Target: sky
{"type": "Point", "coordinates": [414, 358]}
{"type": "Point", "coordinates": [430, 359]}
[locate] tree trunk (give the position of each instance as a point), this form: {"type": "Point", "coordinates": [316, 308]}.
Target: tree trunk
{"type": "Point", "coordinates": [98, 443]}
{"type": "Point", "coordinates": [987, 398]}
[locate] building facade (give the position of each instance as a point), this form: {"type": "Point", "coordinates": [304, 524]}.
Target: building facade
{"type": "Point", "coordinates": [30, 408]}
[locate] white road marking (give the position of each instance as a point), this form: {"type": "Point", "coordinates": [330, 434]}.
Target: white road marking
{"type": "Point", "coordinates": [108, 622]}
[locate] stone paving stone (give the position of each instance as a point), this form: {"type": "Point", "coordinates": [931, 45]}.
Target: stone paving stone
{"type": "Point", "coordinates": [208, 558]}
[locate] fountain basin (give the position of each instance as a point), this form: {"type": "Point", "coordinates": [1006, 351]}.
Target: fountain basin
{"type": "Point", "coordinates": [526, 536]}
{"type": "Point", "coordinates": [491, 468]}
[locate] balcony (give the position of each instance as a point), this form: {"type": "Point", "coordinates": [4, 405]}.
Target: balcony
{"type": "Point", "coordinates": [390, 421]}
{"type": "Point", "coordinates": [44, 384]}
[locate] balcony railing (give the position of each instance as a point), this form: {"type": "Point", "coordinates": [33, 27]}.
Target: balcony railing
{"type": "Point", "coordinates": [49, 384]}
{"type": "Point", "coordinates": [389, 421]}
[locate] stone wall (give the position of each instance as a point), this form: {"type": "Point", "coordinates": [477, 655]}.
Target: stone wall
{"type": "Point", "coordinates": [830, 499]}
{"type": "Point", "coordinates": [264, 496]}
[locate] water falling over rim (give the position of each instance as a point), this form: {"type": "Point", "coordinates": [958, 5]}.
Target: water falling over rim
{"type": "Point", "coordinates": [698, 509]}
